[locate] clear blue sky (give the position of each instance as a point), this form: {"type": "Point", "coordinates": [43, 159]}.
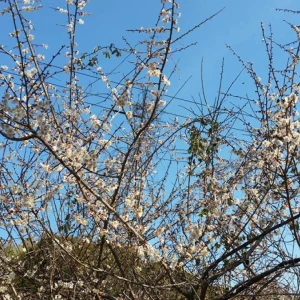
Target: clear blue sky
{"type": "Point", "coordinates": [238, 25]}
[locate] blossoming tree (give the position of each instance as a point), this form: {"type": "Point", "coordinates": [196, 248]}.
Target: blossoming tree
{"type": "Point", "coordinates": [96, 202]}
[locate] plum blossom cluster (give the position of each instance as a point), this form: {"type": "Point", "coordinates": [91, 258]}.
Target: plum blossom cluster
{"type": "Point", "coordinates": [108, 197]}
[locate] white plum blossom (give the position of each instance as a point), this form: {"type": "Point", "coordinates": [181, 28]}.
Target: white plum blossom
{"type": "Point", "coordinates": [154, 73]}
{"type": "Point", "coordinates": [139, 212]}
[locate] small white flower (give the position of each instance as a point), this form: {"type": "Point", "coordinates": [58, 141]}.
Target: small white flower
{"type": "Point", "coordinates": [266, 143]}
{"type": "Point", "coordinates": [46, 167]}
{"type": "Point", "coordinates": [81, 4]}
{"type": "Point", "coordinates": [129, 114]}
{"type": "Point", "coordinates": [25, 50]}
{"type": "Point", "coordinates": [139, 212]}
{"type": "Point", "coordinates": [66, 69]}
{"type": "Point", "coordinates": [155, 93]}
{"type": "Point", "coordinates": [164, 12]}
{"type": "Point", "coordinates": [166, 81]}
{"type": "Point", "coordinates": [154, 73]}
{"type": "Point", "coordinates": [70, 27]}
{"type": "Point", "coordinates": [114, 224]}
{"type": "Point", "coordinates": [203, 252]}
{"type": "Point", "coordinates": [159, 231]}
{"type": "Point", "coordinates": [166, 19]}
{"type": "Point", "coordinates": [159, 29]}
{"type": "Point", "coordinates": [27, 8]}
{"type": "Point", "coordinates": [61, 10]}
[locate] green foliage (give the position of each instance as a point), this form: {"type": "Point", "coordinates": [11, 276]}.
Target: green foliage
{"type": "Point", "coordinates": [112, 51]}
{"type": "Point", "coordinates": [91, 59]}
{"type": "Point", "coordinates": [55, 259]}
{"type": "Point", "coordinates": [203, 141]}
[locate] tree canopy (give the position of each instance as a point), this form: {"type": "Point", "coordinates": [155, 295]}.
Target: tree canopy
{"type": "Point", "coordinates": [106, 195]}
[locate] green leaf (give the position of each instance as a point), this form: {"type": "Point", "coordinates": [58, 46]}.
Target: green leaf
{"type": "Point", "coordinates": [106, 54]}
{"type": "Point", "coordinates": [116, 52]}
{"type": "Point", "coordinates": [83, 56]}
{"type": "Point", "coordinates": [215, 126]}
{"type": "Point", "coordinates": [229, 201]}
{"type": "Point", "coordinates": [96, 49]}
{"type": "Point", "coordinates": [203, 212]}
{"type": "Point", "coordinates": [217, 245]}
{"type": "Point", "coordinates": [203, 121]}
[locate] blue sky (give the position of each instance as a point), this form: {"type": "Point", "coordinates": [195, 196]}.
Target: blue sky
{"type": "Point", "coordinates": [238, 25]}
